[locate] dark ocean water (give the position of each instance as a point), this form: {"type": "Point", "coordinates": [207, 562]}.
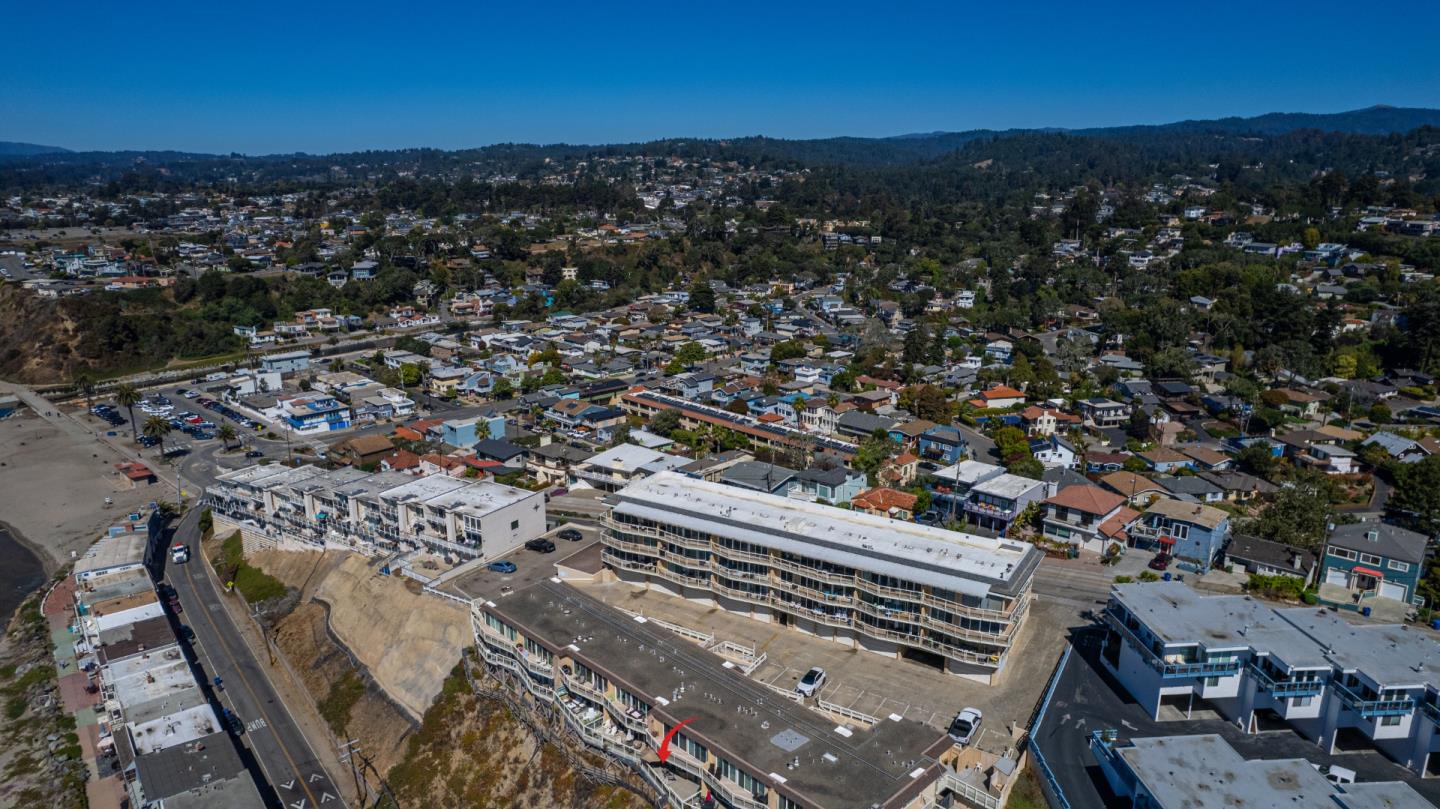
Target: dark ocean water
{"type": "Point", "coordinates": [20, 574]}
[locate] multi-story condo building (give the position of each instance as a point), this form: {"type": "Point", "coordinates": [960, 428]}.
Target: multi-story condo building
{"type": "Point", "coordinates": [622, 685]}
{"type": "Point", "coordinates": [1172, 772]}
{"type": "Point", "coordinates": [388, 510]}
{"type": "Point", "coordinates": [892, 587]}
{"type": "Point", "coordinates": [1336, 683]}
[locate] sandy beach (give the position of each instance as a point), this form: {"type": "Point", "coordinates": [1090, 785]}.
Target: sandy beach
{"type": "Point", "coordinates": [55, 486]}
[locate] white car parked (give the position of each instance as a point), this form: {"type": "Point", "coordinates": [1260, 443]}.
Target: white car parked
{"type": "Point", "coordinates": [964, 725]}
{"type": "Point", "coordinates": [810, 684]}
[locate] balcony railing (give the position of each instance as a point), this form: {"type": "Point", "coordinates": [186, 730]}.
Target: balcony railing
{"type": "Point", "coordinates": [1370, 708]}
{"type": "Point", "coordinates": [1173, 669]}
{"type": "Point", "coordinates": [1285, 688]}
{"type": "Point", "coordinates": [991, 510]}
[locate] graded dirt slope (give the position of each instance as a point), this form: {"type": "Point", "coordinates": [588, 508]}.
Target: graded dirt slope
{"type": "Point", "coordinates": [407, 641]}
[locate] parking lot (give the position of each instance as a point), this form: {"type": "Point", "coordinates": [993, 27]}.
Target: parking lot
{"type": "Point", "coordinates": [191, 415]}
{"type": "Point", "coordinates": [865, 682]}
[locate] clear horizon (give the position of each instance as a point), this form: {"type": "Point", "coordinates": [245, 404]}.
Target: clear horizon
{"type": "Point", "coordinates": [361, 76]}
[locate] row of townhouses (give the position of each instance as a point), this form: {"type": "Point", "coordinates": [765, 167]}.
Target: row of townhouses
{"type": "Point", "coordinates": [380, 512]}
{"type": "Point", "coordinates": [1340, 684]}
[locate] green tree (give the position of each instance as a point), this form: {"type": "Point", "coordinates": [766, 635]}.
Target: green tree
{"type": "Point", "coordinates": [502, 389]}
{"type": "Point", "coordinates": [1416, 499]}
{"type": "Point", "coordinates": [690, 353]}
{"type": "Point", "coordinates": [1012, 444]}
{"type": "Point", "coordinates": [702, 298]}
{"type": "Point", "coordinates": [127, 396]}
{"type": "Point", "coordinates": [1298, 513]}
{"type": "Point", "coordinates": [157, 427]}
{"type": "Point", "coordinates": [788, 350]}
{"type": "Point", "coordinates": [665, 423]}
{"type": "Point", "coordinates": [1139, 426]}
{"type": "Point", "coordinates": [410, 375]}
{"type": "Point", "coordinates": [226, 433]}
{"type": "Point", "coordinates": [1255, 459]}
{"type": "Point", "coordinates": [873, 452]}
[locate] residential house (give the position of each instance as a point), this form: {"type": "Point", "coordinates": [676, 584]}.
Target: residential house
{"type": "Point", "coordinates": [1102, 412]}
{"type": "Point", "coordinates": [1371, 560]}
{"type": "Point", "coordinates": [759, 476]}
{"type": "Point", "coordinates": [942, 444]}
{"type": "Point", "coordinates": [998, 397]}
{"type": "Point", "coordinates": [1192, 533]}
{"type": "Point", "coordinates": [1266, 558]}
{"type": "Point", "coordinates": [885, 502]}
{"type": "Point", "coordinates": [837, 485]}
{"type": "Point", "coordinates": [464, 433]}
{"type": "Point", "coordinates": [1165, 460]}
{"type": "Point", "coordinates": [1088, 517]}
{"type": "Point", "coordinates": [995, 503]}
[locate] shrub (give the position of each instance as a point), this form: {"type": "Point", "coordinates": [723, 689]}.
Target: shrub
{"type": "Point", "coordinates": [1149, 575]}
{"type": "Point", "coordinates": [1123, 579]}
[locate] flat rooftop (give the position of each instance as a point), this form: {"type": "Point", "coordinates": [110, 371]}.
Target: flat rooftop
{"type": "Point", "coordinates": [149, 635]}
{"type": "Point", "coordinates": [1205, 772]}
{"type": "Point", "coordinates": [168, 726]}
{"type": "Point", "coordinates": [731, 714]}
{"type": "Point", "coordinates": [1179, 614]}
{"type": "Point", "coordinates": [205, 773]}
{"type": "Point", "coordinates": [111, 552]}
{"type": "Point", "coordinates": [1392, 655]}
{"type": "Point", "coordinates": [950, 560]}
{"type": "Point", "coordinates": [1005, 485]}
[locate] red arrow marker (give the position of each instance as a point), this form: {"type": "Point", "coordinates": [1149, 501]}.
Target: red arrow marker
{"type": "Point", "coordinates": [664, 751]}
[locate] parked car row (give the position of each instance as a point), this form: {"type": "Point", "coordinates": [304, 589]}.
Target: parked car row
{"type": "Point", "coordinates": [109, 413]}
{"type": "Point", "coordinates": [228, 412]}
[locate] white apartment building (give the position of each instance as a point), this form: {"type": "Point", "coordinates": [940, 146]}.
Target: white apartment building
{"type": "Point", "coordinates": [901, 589]}
{"type": "Point", "coordinates": [1339, 684]}
{"type": "Point", "coordinates": [388, 510]}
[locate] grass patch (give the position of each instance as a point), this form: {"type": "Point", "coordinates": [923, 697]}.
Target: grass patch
{"type": "Point", "coordinates": [1026, 794]}
{"type": "Point", "coordinates": [15, 707]}
{"type": "Point", "coordinates": [254, 584]}
{"type": "Point", "coordinates": [336, 706]}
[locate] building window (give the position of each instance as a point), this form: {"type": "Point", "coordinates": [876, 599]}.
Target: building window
{"type": "Point", "coordinates": [1403, 567]}
{"type": "Point", "coordinates": [1390, 721]}
{"type": "Point", "coordinates": [1369, 559]}
{"type": "Point", "coordinates": [786, 803]}
{"type": "Point", "coordinates": [1301, 702]}
{"type": "Point", "coordinates": [514, 525]}
{"type": "Point", "coordinates": [1341, 553]}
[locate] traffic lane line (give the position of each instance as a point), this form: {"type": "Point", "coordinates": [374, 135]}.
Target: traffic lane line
{"type": "Point", "coordinates": [259, 704]}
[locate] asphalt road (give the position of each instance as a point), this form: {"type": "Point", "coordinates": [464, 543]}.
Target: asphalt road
{"type": "Point", "coordinates": [288, 762]}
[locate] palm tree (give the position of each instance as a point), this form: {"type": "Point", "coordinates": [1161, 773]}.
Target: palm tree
{"type": "Point", "coordinates": [85, 382]}
{"type": "Point", "coordinates": [227, 434]}
{"type": "Point", "coordinates": [127, 396]}
{"type": "Point", "coordinates": [157, 427]}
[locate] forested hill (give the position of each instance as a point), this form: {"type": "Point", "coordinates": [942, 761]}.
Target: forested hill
{"type": "Point", "coordinates": [30, 166]}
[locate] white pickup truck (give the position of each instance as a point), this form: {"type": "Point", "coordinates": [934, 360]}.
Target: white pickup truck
{"type": "Point", "coordinates": [180, 553]}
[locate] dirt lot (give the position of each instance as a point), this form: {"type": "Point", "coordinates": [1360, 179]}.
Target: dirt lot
{"type": "Point", "coordinates": [55, 486]}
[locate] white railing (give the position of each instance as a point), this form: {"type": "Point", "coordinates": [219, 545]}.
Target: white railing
{"type": "Point", "coordinates": [849, 713]}
{"type": "Point", "coordinates": [969, 792]}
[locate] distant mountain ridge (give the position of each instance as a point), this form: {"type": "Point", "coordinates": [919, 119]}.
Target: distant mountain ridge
{"type": "Point", "coordinates": [12, 148]}
{"type": "Point", "coordinates": [32, 165]}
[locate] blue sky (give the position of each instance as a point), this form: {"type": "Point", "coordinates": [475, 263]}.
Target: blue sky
{"type": "Point", "coordinates": [259, 77]}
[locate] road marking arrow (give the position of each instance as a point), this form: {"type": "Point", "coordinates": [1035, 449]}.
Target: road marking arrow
{"type": "Point", "coordinates": [326, 797]}
{"type": "Point", "coordinates": [289, 784]}
{"type": "Point", "coordinates": [300, 804]}
{"type": "Point", "coordinates": [315, 776]}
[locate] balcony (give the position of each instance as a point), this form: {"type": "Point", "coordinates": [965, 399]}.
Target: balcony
{"type": "Point", "coordinates": [1431, 710]}
{"type": "Point", "coordinates": [1284, 689]}
{"type": "Point", "coordinates": [991, 510]}
{"type": "Point", "coordinates": [1371, 708]}
{"type": "Point", "coordinates": [1173, 669]}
